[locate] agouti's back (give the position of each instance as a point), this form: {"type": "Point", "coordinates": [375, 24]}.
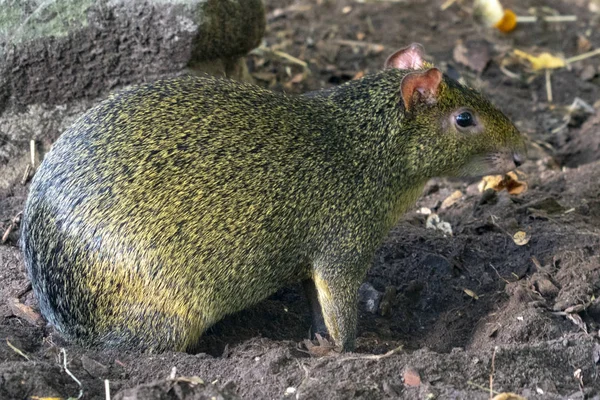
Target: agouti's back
{"type": "Point", "coordinates": [162, 202]}
{"type": "Point", "coordinates": [172, 204]}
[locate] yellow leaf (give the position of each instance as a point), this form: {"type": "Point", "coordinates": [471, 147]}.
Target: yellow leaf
{"type": "Point", "coordinates": [450, 200]}
{"type": "Point", "coordinates": [521, 238]}
{"type": "Point", "coordinates": [508, 396]}
{"type": "Point", "coordinates": [45, 398]}
{"type": "Point", "coordinates": [510, 182]}
{"type": "Point", "coordinates": [471, 294]}
{"type": "Point", "coordinates": [542, 61]}
{"type": "Point", "coordinates": [490, 182]}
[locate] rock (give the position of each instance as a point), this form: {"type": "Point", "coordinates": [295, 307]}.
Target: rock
{"type": "Point", "coordinates": [369, 298]}
{"type": "Point", "coordinates": [411, 377]}
{"type": "Point", "coordinates": [58, 51]}
{"type": "Point", "coordinates": [59, 58]}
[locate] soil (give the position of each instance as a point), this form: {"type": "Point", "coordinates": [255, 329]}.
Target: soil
{"type": "Point", "coordinates": [474, 312]}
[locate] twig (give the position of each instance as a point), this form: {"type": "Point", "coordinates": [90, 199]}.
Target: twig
{"type": "Point", "coordinates": [356, 43]}
{"type": "Point", "coordinates": [26, 174]}
{"type": "Point", "coordinates": [549, 85]}
{"type": "Point", "coordinates": [280, 54]}
{"type": "Point", "coordinates": [493, 219]}
{"type": "Point", "coordinates": [32, 151]}
{"type": "Point", "coordinates": [293, 8]}
{"type": "Point", "coordinates": [492, 373]}
{"type": "Point", "coordinates": [582, 56]}
{"type": "Point", "coordinates": [375, 356]}
{"type": "Point", "coordinates": [497, 273]}
{"type": "Point", "coordinates": [19, 352]}
{"type": "Point", "coordinates": [548, 18]}
{"type": "Point", "coordinates": [509, 73]}
{"type": "Point", "coordinates": [13, 223]}
{"type": "Point", "coordinates": [64, 353]}
{"type": "Point", "coordinates": [447, 4]}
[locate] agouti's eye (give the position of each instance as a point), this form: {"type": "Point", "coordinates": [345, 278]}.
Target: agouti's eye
{"type": "Point", "coordinates": [464, 119]}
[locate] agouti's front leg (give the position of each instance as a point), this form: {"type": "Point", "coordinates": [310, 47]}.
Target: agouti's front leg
{"type": "Point", "coordinates": [338, 296]}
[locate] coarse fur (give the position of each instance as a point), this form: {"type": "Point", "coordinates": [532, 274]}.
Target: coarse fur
{"type": "Point", "coordinates": [172, 204]}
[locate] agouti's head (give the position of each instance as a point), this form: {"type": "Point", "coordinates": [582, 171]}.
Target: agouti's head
{"type": "Point", "coordinates": [460, 133]}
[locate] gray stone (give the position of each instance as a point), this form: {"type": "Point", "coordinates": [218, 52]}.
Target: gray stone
{"type": "Point", "coordinates": [56, 51]}
{"type": "Point", "coordinates": [369, 298]}
{"type": "Point", "coordinates": [59, 57]}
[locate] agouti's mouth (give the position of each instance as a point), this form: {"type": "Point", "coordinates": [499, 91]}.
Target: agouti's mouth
{"type": "Point", "coordinates": [504, 161]}
{"type": "Point", "coordinates": [497, 163]}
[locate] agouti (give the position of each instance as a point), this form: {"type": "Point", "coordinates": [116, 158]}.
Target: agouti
{"type": "Point", "coordinates": [172, 204]}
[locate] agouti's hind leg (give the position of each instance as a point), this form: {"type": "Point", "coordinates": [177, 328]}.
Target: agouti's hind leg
{"type": "Point", "coordinates": [318, 323]}
{"type": "Point", "coordinates": [338, 298]}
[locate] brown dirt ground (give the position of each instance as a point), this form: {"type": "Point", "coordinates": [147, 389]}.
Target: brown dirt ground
{"type": "Point", "coordinates": [536, 307]}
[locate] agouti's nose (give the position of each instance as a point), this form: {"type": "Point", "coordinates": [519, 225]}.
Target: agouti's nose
{"type": "Point", "coordinates": [517, 159]}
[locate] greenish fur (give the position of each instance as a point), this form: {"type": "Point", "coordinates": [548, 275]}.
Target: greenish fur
{"type": "Point", "coordinates": [173, 204]}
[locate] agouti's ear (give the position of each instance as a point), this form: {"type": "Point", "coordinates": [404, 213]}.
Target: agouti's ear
{"type": "Point", "coordinates": [410, 57]}
{"type": "Point", "coordinates": [420, 87]}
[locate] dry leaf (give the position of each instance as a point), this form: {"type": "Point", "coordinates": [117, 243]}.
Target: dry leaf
{"type": "Point", "coordinates": [25, 312]}
{"type": "Point", "coordinates": [298, 78]}
{"type": "Point", "coordinates": [46, 398]}
{"type": "Point", "coordinates": [490, 182]}
{"type": "Point", "coordinates": [358, 75]}
{"type": "Point", "coordinates": [325, 347]}
{"type": "Point", "coordinates": [508, 396]}
{"type": "Point", "coordinates": [411, 377]}
{"type": "Point", "coordinates": [521, 238]}
{"type": "Point", "coordinates": [510, 182]}
{"type": "Point", "coordinates": [542, 61]}
{"type": "Point", "coordinates": [583, 44]}
{"type": "Point", "coordinates": [471, 293]}
{"type": "Point", "coordinates": [513, 184]}
{"type": "Point", "coordinates": [579, 376]}
{"type": "Point", "coordinates": [576, 319]}
{"type": "Point", "coordinates": [452, 199]}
